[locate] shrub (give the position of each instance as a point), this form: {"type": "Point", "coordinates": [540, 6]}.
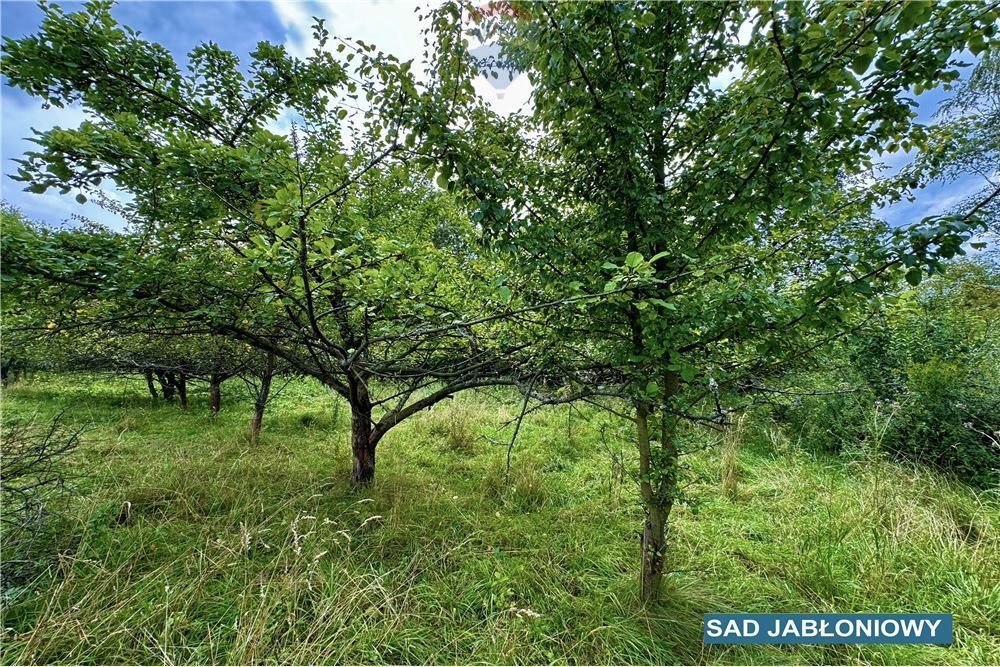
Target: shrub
{"type": "Point", "coordinates": [923, 381]}
{"type": "Point", "coordinates": [35, 472]}
{"type": "Point", "coordinates": [947, 420]}
{"type": "Point", "coordinates": [832, 423]}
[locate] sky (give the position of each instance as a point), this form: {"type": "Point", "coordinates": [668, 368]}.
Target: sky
{"type": "Point", "coordinates": [238, 25]}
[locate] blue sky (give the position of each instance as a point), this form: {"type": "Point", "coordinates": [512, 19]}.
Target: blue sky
{"type": "Point", "coordinates": [239, 25]}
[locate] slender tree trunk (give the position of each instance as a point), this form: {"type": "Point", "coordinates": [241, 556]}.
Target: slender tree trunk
{"type": "Point", "coordinates": [654, 528]}
{"type": "Point", "coordinates": [182, 391]}
{"type": "Point", "coordinates": [658, 486]}
{"type": "Point", "coordinates": [215, 394]}
{"type": "Point", "coordinates": [150, 386]}
{"type": "Point", "coordinates": [260, 403]}
{"type": "Point", "coordinates": [362, 443]}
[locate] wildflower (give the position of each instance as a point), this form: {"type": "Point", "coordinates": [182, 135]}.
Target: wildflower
{"type": "Point", "coordinates": [524, 613]}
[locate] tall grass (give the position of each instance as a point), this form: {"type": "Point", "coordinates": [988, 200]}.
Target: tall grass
{"type": "Point", "coordinates": [230, 553]}
{"type": "Point", "coordinates": [732, 442]}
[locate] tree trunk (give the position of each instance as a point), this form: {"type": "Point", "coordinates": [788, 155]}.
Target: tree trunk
{"type": "Point", "coordinates": [215, 394]}
{"type": "Point", "coordinates": [182, 391]}
{"type": "Point", "coordinates": [659, 489]}
{"type": "Point", "coordinates": [654, 529]}
{"type": "Point", "coordinates": [166, 384]}
{"type": "Point", "coordinates": [260, 403]}
{"type": "Point", "coordinates": [654, 552]}
{"type": "Point", "coordinates": [150, 386]}
{"type": "Point", "coordinates": [362, 443]}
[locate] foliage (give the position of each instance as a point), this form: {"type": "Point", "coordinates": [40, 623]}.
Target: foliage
{"type": "Point", "coordinates": [932, 365]}
{"type": "Point", "coordinates": [969, 142]}
{"type": "Point", "coordinates": [325, 250]}
{"type": "Point", "coordinates": [648, 238]}
{"type": "Point", "coordinates": [942, 364]}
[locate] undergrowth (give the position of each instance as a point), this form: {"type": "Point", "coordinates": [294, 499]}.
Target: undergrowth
{"type": "Point", "coordinates": [196, 547]}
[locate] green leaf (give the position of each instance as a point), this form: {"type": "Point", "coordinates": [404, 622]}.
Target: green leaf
{"type": "Point", "coordinates": [81, 198]}
{"type": "Point", "coordinates": [663, 304]}
{"type": "Point", "coordinates": [646, 19]}
{"type": "Point", "coordinates": [505, 294]}
{"type": "Point", "coordinates": [914, 276]}
{"type": "Point", "coordinates": [633, 259]}
{"type": "Point", "coordinates": [687, 373]}
{"type": "Point", "coordinates": [863, 60]}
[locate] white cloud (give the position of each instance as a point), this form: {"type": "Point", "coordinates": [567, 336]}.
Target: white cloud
{"type": "Point", "coordinates": [393, 27]}
{"type": "Point", "coordinates": [297, 21]}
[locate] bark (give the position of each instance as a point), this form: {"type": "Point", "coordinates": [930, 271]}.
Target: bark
{"type": "Point", "coordinates": [182, 392]}
{"type": "Point", "coordinates": [166, 384]}
{"type": "Point", "coordinates": [362, 442]}
{"type": "Point", "coordinates": [658, 490]}
{"type": "Point", "coordinates": [263, 395]}
{"type": "Point", "coordinates": [215, 394]}
{"type": "Point", "coordinates": [150, 386]}
{"type": "Point", "coordinates": [654, 528]}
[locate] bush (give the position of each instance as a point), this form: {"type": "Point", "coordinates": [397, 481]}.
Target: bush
{"type": "Point", "coordinates": [33, 461]}
{"type": "Point", "coordinates": [831, 423]}
{"type": "Point", "coordinates": [946, 420]}
{"type": "Point", "coordinates": [934, 362]}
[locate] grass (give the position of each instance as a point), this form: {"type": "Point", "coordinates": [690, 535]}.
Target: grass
{"type": "Point", "coordinates": [195, 547]}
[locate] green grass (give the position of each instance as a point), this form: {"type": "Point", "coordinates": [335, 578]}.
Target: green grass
{"type": "Point", "coordinates": [196, 547]}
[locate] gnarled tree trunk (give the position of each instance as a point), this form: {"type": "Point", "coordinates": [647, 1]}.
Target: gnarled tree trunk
{"type": "Point", "coordinates": [363, 471]}
{"type": "Point", "coordinates": [362, 446]}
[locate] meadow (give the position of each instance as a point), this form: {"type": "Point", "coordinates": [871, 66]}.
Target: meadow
{"type": "Point", "coordinates": [184, 543]}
